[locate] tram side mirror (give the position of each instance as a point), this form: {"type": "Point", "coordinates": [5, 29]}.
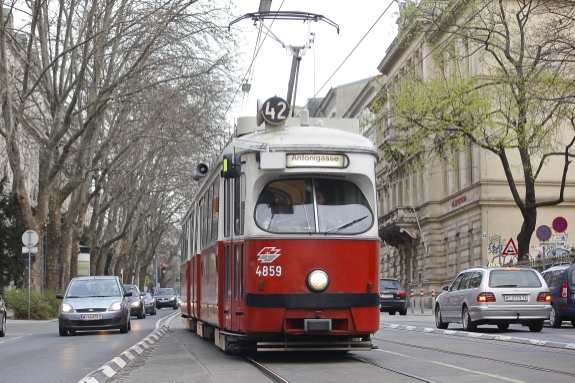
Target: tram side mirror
{"type": "Point", "coordinates": [232, 167]}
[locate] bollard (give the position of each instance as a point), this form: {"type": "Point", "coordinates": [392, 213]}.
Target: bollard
{"type": "Point", "coordinates": [432, 300]}
{"type": "Point", "coordinates": [421, 300]}
{"type": "Point", "coordinates": [412, 299]}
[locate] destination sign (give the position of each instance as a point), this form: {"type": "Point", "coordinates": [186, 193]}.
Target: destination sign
{"type": "Point", "coordinates": [316, 160]}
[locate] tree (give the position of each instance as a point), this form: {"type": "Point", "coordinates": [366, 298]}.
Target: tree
{"type": "Point", "coordinates": [502, 78]}
{"type": "Point", "coordinates": [11, 230]}
{"type": "Point", "coordinates": [79, 69]}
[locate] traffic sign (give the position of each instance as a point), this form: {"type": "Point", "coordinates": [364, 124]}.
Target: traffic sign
{"type": "Point", "coordinates": [26, 250]}
{"type": "Point", "coordinates": [510, 248]}
{"type": "Point", "coordinates": [543, 233]}
{"type": "Point", "coordinates": [560, 224]}
{"type": "Point", "coordinates": [30, 238]}
{"type": "Point", "coordinates": [32, 259]}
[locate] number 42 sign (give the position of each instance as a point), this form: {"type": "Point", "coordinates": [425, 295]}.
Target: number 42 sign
{"type": "Point", "coordinates": [275, 110]}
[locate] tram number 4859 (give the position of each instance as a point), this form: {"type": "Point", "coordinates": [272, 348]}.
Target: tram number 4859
{"type": "Point", "coordinates": [272, 271]}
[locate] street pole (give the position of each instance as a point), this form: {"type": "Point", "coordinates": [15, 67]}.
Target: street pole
{"type": "Point", "coordinates": [156, 271]}
{"type": "Point", "coordinates": [500, 250]}
{"type": "Point", "coordinates": [29, 269]}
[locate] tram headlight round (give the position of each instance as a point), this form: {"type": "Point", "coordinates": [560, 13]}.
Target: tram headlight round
{"type": "Point", "coordinates": [317, 280]}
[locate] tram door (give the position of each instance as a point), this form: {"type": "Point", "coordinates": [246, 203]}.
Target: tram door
{"type": "Point", "coordinates": [227, 252]}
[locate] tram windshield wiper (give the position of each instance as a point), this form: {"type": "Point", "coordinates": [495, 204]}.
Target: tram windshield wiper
{"type": "Point", "coordinates": [340, 227]}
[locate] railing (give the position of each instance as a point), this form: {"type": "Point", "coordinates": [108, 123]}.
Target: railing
{"type": "Point", "coordinates": [549, 261]}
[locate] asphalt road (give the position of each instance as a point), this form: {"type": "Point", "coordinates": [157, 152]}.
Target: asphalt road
{"type": "Point", "coordinates": [33, 351]}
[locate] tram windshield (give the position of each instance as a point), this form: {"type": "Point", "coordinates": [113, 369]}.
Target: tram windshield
{"type": "Point", "coordinates": [310, 205]}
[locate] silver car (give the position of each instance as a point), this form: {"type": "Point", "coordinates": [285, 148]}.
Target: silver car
{"type": "Point", "coordinates": [495, 296]}
{"type": "Point", "coordinates": [94, 303]}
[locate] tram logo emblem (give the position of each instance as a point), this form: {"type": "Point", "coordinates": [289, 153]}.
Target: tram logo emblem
{"type": "Point", "coordinates": [268, 254]}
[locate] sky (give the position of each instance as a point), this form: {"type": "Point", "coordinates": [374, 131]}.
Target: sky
{"type": "Point", "coordinates": [270, 71]}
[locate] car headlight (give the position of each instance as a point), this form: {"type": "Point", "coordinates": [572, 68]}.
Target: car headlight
{"type": "Point", "coordinates": [116, 306]}
{"type": "Point", "coordinates": [317, 280]}
{"type": "Point", "coordinates": [135, 303]}
{"type": "Point", "coordinates": [172, 298]}
{"type": "Point", "coordinates": [66, 308]}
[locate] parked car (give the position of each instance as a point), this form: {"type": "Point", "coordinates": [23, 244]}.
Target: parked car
{"type": "Point", "coordinates": [392, 297]}
{"type": "Point", "coordinates": [94, 303]}
{"type": "Point", "coordinates": [494, 296]}
{"type": "Point", "coordinates": [2, 317]}
{"type": "Point", "coordinates": [166, 297]}
{"type": "Point", "coordinates": [137, 305]}
{"type": "Point", "coordinates": [150, 304]}
{"type": "Point", "coordinates": [560, 279]}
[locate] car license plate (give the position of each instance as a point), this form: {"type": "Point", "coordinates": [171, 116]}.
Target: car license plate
{"type": "Point", "coordinates": [515, 298]}
{"type": "Point", "coordinates": [386, 295]}
{"type": "Point", "coordinates": [91, 316]}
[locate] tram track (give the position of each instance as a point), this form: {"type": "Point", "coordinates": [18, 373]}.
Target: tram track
{"type": "Point", "coordinates": [275, 377]}
{"type": "Point", "coordinates": [478, 357]}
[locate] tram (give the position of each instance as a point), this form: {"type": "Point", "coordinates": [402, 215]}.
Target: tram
{"type": "Point", "coordinates": [280, 247]}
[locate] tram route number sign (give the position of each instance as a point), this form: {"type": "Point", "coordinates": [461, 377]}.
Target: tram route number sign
{"type": "Point", "coordinates": [275, 110]}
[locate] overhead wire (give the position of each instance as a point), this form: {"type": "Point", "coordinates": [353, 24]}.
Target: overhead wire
{"type": "Point", "coordinates": [350, 53]}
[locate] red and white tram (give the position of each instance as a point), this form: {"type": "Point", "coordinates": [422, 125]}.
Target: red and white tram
{"type": "Point", "coordinates": [280, 247]}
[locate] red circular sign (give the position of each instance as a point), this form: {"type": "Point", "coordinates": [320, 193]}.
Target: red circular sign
{"type": "Point", "coordinates": [543, 232]}
{"type": "Point", "coordinates": [560, 224]}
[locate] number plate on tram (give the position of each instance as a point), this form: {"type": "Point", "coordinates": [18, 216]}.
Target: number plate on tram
{"type": "Point", "coordinates": [91, 317]}
{"type": "Point", "coordinates": [386, 295]}
{"type": "Point", "coordinates": [515, 298]}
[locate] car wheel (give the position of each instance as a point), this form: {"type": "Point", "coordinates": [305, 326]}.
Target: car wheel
{"type": "Point", "coordinates": [554, 319]}
{"type": "Point", "coordinates": [536, 326]}
{"type": "Point", "coordinates": [468, 324]}
{"type": "Point", "coordinates": [403, 312]}
{"type": "Point", "coordinates": [155, 311]}
{"type": "Point", "coordinates": [176, 306]}
{"type": "Point", "coordinates": [125, 328]}
{"type": "Point", "coordinates": [439, 323]}
{"type": "Point", "coordinates": [503, 326]}
{"type": "Point", "coordinates": [392, 313]}
{"type": "Point", "coordinates": [573, 323]}
{"type": "Point", "coordinates": [62, 332]}
{"type": "Point", "coordinates": [3, 327]}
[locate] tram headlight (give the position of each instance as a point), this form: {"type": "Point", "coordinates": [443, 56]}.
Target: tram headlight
{"type": "Point", "coordinates": [317, 280]}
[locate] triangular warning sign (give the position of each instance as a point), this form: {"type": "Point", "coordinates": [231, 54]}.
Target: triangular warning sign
{"type": "Point", "coordinates": [510, 248]}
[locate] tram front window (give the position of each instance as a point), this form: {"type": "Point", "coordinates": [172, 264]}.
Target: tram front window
{"type": "Point", "coordinates": [313, 206]}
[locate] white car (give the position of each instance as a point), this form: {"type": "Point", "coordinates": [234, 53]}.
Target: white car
{"type": "Point", "coordinates": [494, 296]}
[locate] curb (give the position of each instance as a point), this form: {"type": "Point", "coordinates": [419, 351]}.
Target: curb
{"type": "Point", "coordinates": [108, 370]}
{"type": "Point", "coordinates": [476, 335]}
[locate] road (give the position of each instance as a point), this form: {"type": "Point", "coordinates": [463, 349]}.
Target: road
{"type": "Point", "coordinates": [33, 351]}
{"type": "Point", "coordinates": [410, 349]}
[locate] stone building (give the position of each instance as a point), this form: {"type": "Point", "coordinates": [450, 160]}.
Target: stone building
{"type": "Point", "coordinates": [459, 212]}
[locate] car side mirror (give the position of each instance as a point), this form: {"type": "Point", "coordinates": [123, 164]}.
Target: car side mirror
{"type": "Point", "coordinates": [59, 296]}
{"type": "Point", "coordinates": [445, 287]}
{"type": "Point", "coordinates": [128, 294]}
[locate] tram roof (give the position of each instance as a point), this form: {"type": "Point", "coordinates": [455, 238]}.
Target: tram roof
{"type": "Point", "coordinates": [336, 134]}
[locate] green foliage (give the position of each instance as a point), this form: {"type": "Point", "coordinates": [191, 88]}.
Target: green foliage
{"type": "Point", "coordinates": [11, 230]}
{"type": "Point", "coordinates": [42, 305]}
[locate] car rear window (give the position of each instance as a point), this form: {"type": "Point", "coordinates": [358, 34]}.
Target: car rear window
{"type": "Point", "coordinates": [389, 284]}
{"type": "Point", "coordinates": [572, 276]}
{"type": "Point", "coordinates": [514, 278]}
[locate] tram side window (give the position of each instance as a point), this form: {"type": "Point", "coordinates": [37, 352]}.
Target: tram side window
{"type": "Point", "coordinates": [227, 209]}
{"type": "Point", "coordinates": [192, 233]}
{"type": "Point", "coordinates": [215, 208]}
{"type": "Point", "coordinates": [239, 204]}
{"type": "Point", "coordinates": [311, 205]}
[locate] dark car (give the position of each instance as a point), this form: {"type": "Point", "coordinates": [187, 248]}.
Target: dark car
{"type": "Point", "coordinates": [150, 304]}
{"type": "Point", "coordinates": [166, 297]}
{"type": "Point", "coordinates": [560, 279]}
{"type": "Point", "coordinates": [94, 303]}
{"type": "Point", "coordinates": [2, 317]}
{"type": "Point", "coordinates": [137, 305]}
{"type": "Point", "coordinates": [392, 296]}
